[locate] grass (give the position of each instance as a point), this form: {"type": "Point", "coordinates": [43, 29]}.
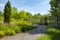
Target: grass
{"type": "Point", "coordinates": [51, 34]}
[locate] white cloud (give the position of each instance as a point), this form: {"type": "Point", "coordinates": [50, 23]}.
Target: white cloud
{"type": "Point", "coordinates": [2, 5]}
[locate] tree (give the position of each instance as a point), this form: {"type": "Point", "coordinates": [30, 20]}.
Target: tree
{"type": "Point", "coordinates": [14, 13]}
{"type": "Point", "coordinates": [23, 15]}
{"type": "Point", "coordinates": [55, 9]}
{"type": "Point", "coordinates": [37, 18]}
{"type": "Point", "coordinates": [29, 16]}
{"type": "Point", "coordinates": [1, 16]}
{"type": "Point", "coordinates": [7, 13]}
{"type": "Point", "coordinates": [45, 19]}
{"type": "Point", "coordinates": [1, 13]}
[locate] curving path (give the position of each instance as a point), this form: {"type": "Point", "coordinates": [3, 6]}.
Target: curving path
{"type": "Point", "coordinates": [30, 35]}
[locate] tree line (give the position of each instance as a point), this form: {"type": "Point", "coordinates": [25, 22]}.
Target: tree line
{"type": "Point", "coordinates": [12, 13]}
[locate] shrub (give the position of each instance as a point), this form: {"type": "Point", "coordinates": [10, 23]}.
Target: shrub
{"type": "Point", "coordinates": [2, 34]}
{"type": "Point", "coordinates": [4, 28]}
{"type": "Point", "coordinates": [16, 29]}
{"type": "Point", "coordinates": [25, 27]}
{"type": "Point", "coordinates": [24, 23]}
{"type": "Point", "coordinates": [9, 32]}
{"type": "Point", "coordinates": [45, 37]}
{"type": "Point", "coordinates": [51, 34]}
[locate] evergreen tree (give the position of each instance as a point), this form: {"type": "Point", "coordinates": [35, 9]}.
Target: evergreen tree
{"type": "Point", "coordinates": [55, 9]}
{"type": "Point", "coordinates": [7, 13]}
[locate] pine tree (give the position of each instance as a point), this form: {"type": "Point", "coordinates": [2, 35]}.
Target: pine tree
{"type": "Point", "coordinates": [55, 9]}
{"type": "Point", "coordinates": [7, 13]}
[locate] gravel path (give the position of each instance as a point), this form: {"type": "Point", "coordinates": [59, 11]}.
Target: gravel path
{"type": "Point", "coordinates": [30, 35]}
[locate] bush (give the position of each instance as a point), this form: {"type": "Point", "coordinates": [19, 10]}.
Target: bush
{"type": "Point", "coordinates": [16, 29]}
{"type": "Point", "coordinates": [9, 32]}
{"type": "Point", "coordinates": [3, 28]}
{"type": "Point", "coordinates": [26, 27]}
{"type": "Point", "coordinates": [45, 37]}
{"type": "Point", "coordinates": [24, 23]}
{"type": "Point", "coordinates": [2, 34]}
{"type": "Point", "coordinates": [51, 34]}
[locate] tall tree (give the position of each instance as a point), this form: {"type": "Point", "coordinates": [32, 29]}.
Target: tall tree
{"type": "Point", "coordinates": [7, 13]}
{"type": "Point", "coordinates": [55, 9]}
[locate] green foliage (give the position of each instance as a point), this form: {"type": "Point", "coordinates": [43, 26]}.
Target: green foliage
{"type": "Point", "coordinates": [10, 32]}
{"type": "Point", "coordinates": [45, 37]}
{"type": "Point", "coordinates": [45, 19]}
{"type": "Point", "coordinates": [4, 28]}
{"type": "Point", "coordinates": [26, 27]}
{"type": "Point", "coordinates": [51, 34]}
{"type": "Point", "coordinates": [7, 12]}
{"type": "Point", "coordinates": [23, 15]}
{"type": "Point", "coordinates": [20, 27]}
{"type": "Point", "coordinates": [14, 13]}
{"type": "Point", "coordinates": [1, 13]}
{"type": "Point", "coordinates": [16, 29]}
{"type": "Point", "coordinates": [1, 16]}
{"type": "Point", "coordinates": [55, 10]}
{"type": "Point", "coordinates": [55, 7]}
{"type": "Point", "coordinates": [24, 23]}
{"type": "Point", "coordinates": [7, 30]}
{"type": "Point", "coordinates": [37, 19]}
{"type": "Point", "coordinates": [29, 16]}
{"type": "Point", "coordinates": [2, 34]}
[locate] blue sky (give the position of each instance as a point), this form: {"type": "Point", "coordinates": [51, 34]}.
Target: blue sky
{"type": "Point", "coordinates": [33, 6]}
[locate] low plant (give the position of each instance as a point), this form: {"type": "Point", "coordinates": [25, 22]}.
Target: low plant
{"type": "Point", "coordinates": [45, 37]}
{"type": "Point", "coordinates": [16, 29]}
{"type": "Point", "coordinates": [25, 27]}
{"type": "Point", "coordinates": [2, 34]}
{"type": "Point", "coordinates": [9, 32]}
